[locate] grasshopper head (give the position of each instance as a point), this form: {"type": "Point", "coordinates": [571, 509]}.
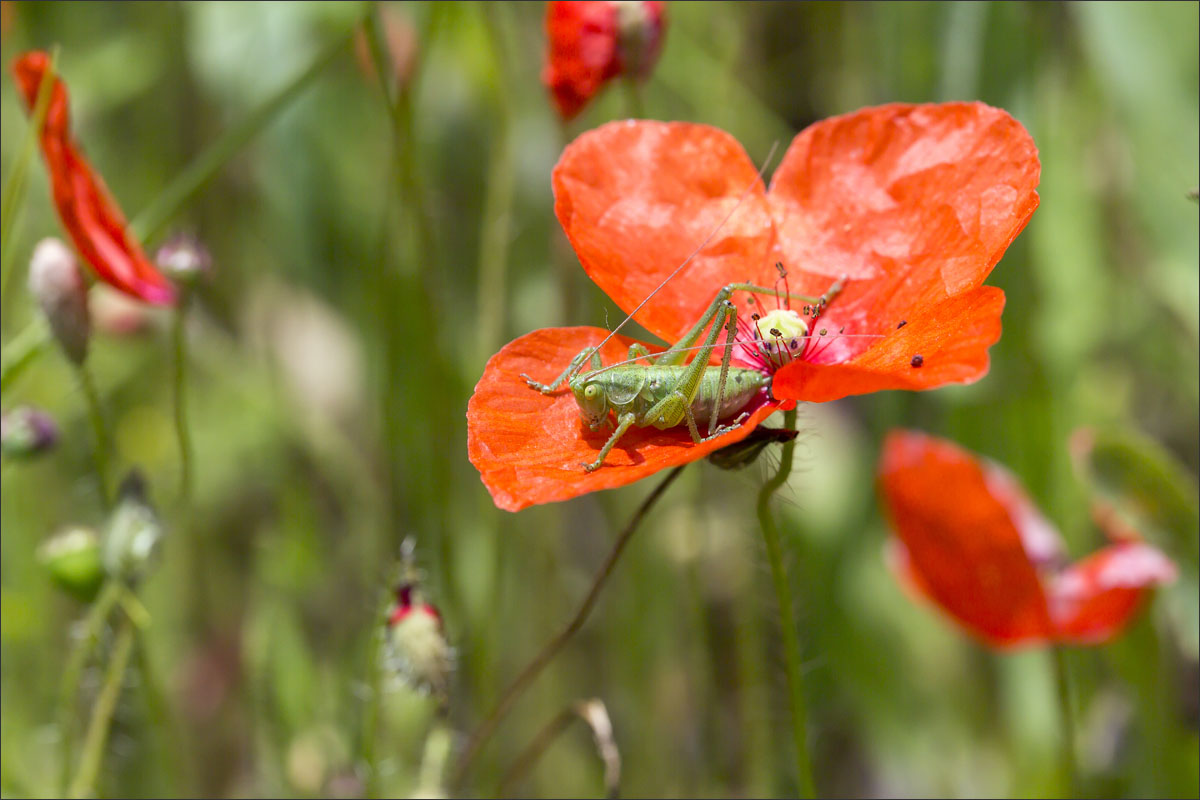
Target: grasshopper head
{"type": "Point", "coordinates": [592, 401]}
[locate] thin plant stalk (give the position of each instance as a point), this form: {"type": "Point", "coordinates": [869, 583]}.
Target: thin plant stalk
{"type": "Point", "coordinates": [497, 203]}
{"type": "Point", "coordinates": [633, 98]}
{"type": "Point", "coordinates": [783, 595]}
{"type": "Point", "coordinates": [93, 624]}
{"type": "Point", "coordinates": [374, 707]}
{"type": "Point", "coordinates": [13, 195]}
{"type": "Point", "coordinates": [153, 219]}
{"type": "Point", "coordinates": [96, 739]}
{"type": "Point", "coordinates": [99, 432]}
{"type": "Point", "coordinates": [484, 731]}
{"type": "Point", "coordinates": [1070, 773]}
{"type": "Point", "coordinates": [606, 748]}
{"type": "Point", "coordinates": [179, 395]}
{"type": "Point", "coordinates": [23, 349]}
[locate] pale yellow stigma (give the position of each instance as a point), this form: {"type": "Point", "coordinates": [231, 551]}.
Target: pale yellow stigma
{"type": "Point", "coordinates": [780, 334]}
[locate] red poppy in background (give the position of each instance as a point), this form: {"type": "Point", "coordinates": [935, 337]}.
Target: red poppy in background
{"type": "Point", "coordinates": [914, 205]}
{"type": "Point", "coordinates": [88, 212]}
{"type": "Point", "coordinates": [590, 43]}
{"type": "Point", "coordinates": [970, 540]}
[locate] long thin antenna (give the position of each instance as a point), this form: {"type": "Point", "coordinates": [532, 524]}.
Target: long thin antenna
{"type": "Point", "coordinates": [741, 198]}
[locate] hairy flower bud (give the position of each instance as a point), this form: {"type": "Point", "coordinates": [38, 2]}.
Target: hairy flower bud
{"type": "Point", "coordinates": [26, 431]}
{"type": "Point", "coordinates": [134, 532]}
{"type": "Point", "coordinates": [72, 557]}
{"type": "Point", "coordinates": [57, 283]}
{"type": "Point", "coordinates": [417, 650]}
{"type": "Point", "coordinates": [184, 259]}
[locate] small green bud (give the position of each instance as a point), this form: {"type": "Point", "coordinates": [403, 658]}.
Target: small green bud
{"type": "Point", "coordinates": [72, 557]}
{"type": "Point", "coordinates": [58, 285]}
{"type": "Point", "coordinates": [26, 432]}
{"type": "Point", "coordinates": [134, 532]}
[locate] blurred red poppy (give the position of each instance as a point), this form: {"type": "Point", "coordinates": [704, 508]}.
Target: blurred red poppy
{"type": "Point", "coordinates": [969, 539]}
{"type": "Point", "coordinates": [912, 204]}
{"type": "Point", "coordinates": [590, 43]}
{"type": "Point", "coordinates": [87, 211]}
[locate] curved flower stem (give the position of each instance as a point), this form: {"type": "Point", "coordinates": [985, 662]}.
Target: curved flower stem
{"type": "Point", "coordinates": [1067, 738]}
{"type": "Point", "coordinates": [783, 595]}
{"type": "Point", "coordinates": [93, 623]}
{"type": "Point", "coordinates": [606, 747]}
{"type": "Point", "coordinates": [534, 668]}
{"type": "Point", "coordinates": [179, 396]}
{"type": "Point", "coordinates": [99, 430]}
{"type": "Point", "coordinates": [102, 714]}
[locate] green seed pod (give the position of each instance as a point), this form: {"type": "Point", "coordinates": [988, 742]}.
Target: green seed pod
{"type": "Point", "coordinates": [72, 557]}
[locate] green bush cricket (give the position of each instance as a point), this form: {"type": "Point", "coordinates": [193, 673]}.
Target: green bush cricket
{"type": "Point", "coordinates": [667, 393]}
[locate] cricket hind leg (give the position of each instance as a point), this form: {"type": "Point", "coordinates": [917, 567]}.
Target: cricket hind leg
{"type": "Point", "coordinates": [572, 368]}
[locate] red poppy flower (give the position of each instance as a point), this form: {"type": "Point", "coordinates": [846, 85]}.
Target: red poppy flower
{"type": "Point", "coordinates": [88, 212]}
{"type": "Point", "coordinates": [912, 204]}
{"type": "Point", "coordinates": [970, 540]}
{"type": "Point", "coordinates": [589, 43]}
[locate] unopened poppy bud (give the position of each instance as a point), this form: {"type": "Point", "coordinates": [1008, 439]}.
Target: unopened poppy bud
{"type": "Point", "coordinates": [26, 431]}
{"type": "Point", "coordinates": [742, 454]}
{"type": "Point", "coordinates": [417, 650]}
{"type": "Point", "coordinates": [57, 283]}
{"type": "Point", "coordinates": [134, 532]}
{"type": "Point", "coordinates": [639, 35]}
{"type": "Point", "coordinates": [72, 557]}
{"type": "Point", "coordinates": [184, 259]}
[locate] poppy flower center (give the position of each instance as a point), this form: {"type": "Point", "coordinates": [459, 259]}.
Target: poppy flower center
{"type": "Point", "coordinates": [779, 336]}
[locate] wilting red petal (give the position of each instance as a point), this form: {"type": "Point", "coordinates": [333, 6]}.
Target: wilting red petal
{"type": "Point", "coordinates": [530, 448]}
{"type": "Point", "coordinates": [87, 211]}
{"type": "Point", "coordinates": [1093, 599]}
{"type": "Point", "coordinates": [947, 343]}
{"type": "Point", "coordinates": [963, 547]}
{"type": "Point", "coordinates": [581, 52]}
{"type": "Point", "coordinates": [637, 197]}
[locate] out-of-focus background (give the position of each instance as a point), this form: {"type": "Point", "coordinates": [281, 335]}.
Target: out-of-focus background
{"type": "Point", "coordinates": [366, 265]}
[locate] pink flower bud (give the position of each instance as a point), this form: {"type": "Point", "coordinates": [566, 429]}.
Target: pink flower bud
{"type": "Point", "coordinates": [57, 283]}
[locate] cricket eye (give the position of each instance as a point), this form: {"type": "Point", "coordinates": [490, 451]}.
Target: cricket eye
{"type": "Point", "coordinates": [591, 391]}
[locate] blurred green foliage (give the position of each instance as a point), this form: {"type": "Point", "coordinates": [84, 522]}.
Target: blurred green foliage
{"type": "Point", "coordinates": [366, 265]}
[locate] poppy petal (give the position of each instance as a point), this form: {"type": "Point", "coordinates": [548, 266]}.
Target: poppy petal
{"type": "Point", "coordinates": [947, 343]}
{"type": "Point", "coordinates": [88, 213]}
{"type": "Point", "coordinates": [1093, 599]}
{"type": "Point", "coordinates": [913, 203]}
{"type": "Point", "coordinates": [964, 550]}
{"type": "Point", "coordinates": [530, 448]}
{"type": "Point", "coordinates": [637, 197]}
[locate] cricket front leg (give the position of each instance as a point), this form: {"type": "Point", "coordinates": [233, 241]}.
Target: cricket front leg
{"type": "Point", "coordinates": [572, 368]}
{"type": "Point", "coordinates": [623, 424]}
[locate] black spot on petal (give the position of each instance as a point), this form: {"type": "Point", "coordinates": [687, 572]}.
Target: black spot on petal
{"type": "Point", "coordinates": [917, 360]}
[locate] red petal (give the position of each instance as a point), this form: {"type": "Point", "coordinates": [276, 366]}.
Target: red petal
{"type": "Point", "coordinates": [952, 339]}
{"type": "Point", "coordinates": [1092, 600]}
{"type": "Point", "coordinates": [963, 547]}
{"type": "Point", "coordinates": [529, 447]}
{"type": "Point", "coordinates": [581, 52]}
{"type": "Point", "coordinates": [87, 211]}
{"type": "Point", "coordinates": [915, 204]}
{"type": "Point", "coordinates": [637, 197]}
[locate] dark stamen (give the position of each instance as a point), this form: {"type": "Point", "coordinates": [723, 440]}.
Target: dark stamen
{"type": "Point", "coordinates": [917, 360]}
{"type": "Point", "coordinates": [903, 322]}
